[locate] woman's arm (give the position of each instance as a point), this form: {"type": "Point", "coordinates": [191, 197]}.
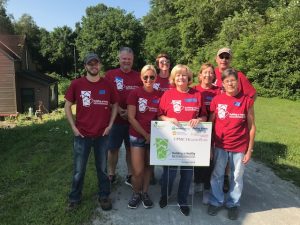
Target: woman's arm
{"type": "Point", "coordinates": [131, 110]}
{"type": "Point", "coordinates": [172, 120]}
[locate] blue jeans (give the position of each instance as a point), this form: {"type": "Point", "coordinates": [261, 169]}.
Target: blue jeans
{"type": "Point", "coordinates": [81, 149]}
{"type": "Point", "coordinates": [237, 168]}
{"type": "Point", "coordinates": [168, 177]}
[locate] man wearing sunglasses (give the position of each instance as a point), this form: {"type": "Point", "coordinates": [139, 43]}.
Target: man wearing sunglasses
{"type": "Point", "coordinates": [223, 59]}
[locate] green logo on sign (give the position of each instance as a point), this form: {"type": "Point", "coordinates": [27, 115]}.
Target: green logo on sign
{"type": "Point", "coordinates": [161, 148]}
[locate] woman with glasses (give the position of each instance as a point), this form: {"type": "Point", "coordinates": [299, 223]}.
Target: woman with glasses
{"type": "Point", "coordinates": [206, 77]}
{"type": "Point", "coordinates": [234, 130]}
{"type": "Point", "coordinates": [185, 104]}
{"type": "Point", "coordinates": [142, 107]}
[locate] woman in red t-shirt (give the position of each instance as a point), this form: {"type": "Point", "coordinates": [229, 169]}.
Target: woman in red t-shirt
{"type": "Point", "coordinates": [234, 130]}
{"type": "Point", "coordinates": [142, 107]}
{"type": "Point", "coordinates": [206, 77]}
{"type": "Point", "coordinates": [180, 104]}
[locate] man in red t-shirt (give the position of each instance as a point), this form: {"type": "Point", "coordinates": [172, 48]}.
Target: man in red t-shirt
{"type": "Point", "coordinates": [125, 80]}
{"type": "Point", "coordinates": [96, 109]}
{"type": "Point", "coordinates": [223, 59]}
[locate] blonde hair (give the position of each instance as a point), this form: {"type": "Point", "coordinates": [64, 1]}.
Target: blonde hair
{"type": "Point", "coordinates": [146, 68]}
{"type": "Point", "coordinates": [177, 69]}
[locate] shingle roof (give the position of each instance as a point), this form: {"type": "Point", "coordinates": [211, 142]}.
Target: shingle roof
{"type": "Point", "coordinates": [13, 45]}
{"type": "Point", "coordinates": [39, 77]}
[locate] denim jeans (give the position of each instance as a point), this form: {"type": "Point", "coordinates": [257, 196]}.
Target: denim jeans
{"type": "Point", "coordinates": [237, 168]}
{"type": "Point", "coordinates": [168, 177]}
{"type": "Point", "coordinates": [81, 150]}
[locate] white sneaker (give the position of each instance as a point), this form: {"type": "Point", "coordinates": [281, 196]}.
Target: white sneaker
{"type": "Point", "coordinates": [198, 187]}
{"type": "Point", "coordinates": [205, 197]}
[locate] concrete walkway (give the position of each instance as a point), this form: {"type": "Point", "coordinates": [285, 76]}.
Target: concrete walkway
{"type": "Point", "coordinates": [266, 200]}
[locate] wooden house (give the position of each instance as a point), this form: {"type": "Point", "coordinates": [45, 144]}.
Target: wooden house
{"type": "Point", "coordinates": [21, 85]}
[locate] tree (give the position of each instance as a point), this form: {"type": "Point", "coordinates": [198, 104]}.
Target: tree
{"type": "Point", "coordinates": [58, 47]}
{"type": "Point", "coordinates": [6, 26]}
{"type": "Point", "coordinates": [105, 30]}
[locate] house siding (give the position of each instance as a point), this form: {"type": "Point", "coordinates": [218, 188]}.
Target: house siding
{"type": "Point", "coordinates": [8, 104]}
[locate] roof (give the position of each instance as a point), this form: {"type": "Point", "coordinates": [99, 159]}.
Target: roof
{"type": "Point", "coordinates": [38, 77]}
{"type": "Point", "coordinates": [13, 45]}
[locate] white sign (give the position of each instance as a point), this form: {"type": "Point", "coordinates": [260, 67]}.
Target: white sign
{"type": "Point", "coordinates": [182, 145]}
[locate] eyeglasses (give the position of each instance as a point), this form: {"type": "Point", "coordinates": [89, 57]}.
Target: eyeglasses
{"type": "Point", "coordinates": [149, 77]}
{"type": "Point", "coordinates": [164, 62]}
{"type": "Point", "coordinates": [229, 81]}
{"type": "Point", "coordinates": [227, 57]}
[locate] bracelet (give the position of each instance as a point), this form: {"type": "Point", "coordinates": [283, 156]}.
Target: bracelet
{"type": "Point", "coordinates": [251, 150]}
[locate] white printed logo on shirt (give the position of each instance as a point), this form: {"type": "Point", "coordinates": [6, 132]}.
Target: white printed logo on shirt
{"type": "Point", "coordinates": [120, 83]}
{"type": "Point", "coordinates": [222, 111]}
{"type": "Point", "coordinates": [143, 105]}
{"type": "Point", "coordinates": [156, 86]}
{"type": "Point", "coordinates": [86, 98]}
{"type": "Point", "coordinates": [177, 107]}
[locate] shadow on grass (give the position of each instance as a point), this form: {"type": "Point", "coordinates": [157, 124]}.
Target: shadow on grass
{"type": "Point", "coordinates": [274, 155]}
{"type": "Point", "coordinates": [35, 173]}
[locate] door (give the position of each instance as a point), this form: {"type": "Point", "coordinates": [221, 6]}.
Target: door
{"type": "Point", "coordinates": [27, 99]}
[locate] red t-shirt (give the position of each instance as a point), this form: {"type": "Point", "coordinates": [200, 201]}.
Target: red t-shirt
{"type": "Point", "coordinates": [182, 106]}
{"type": "Point", "coordinates": [231, 130]}
{"type": "Point", "coordinates": [244, 84]}
{"type": "Point", "coordinates": [93, 100]}
{"type": "Point", "coordinates": [146, 108]}
{"type": "Point", "coordinates": [124, 83]}
{"type": "Point", "coordinates": [208, 94]}
{"type": "Point", "coordinates": [162, 84]}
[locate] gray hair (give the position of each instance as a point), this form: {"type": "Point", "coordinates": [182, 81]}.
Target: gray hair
{"type": "Point", "coordinates": [125, 49]}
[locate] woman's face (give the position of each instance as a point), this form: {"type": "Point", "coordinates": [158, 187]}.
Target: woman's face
{"type": "Point", "coordinates": [163, 63]}
{"type": "Point", "coordinates": [148, 78]}
{"type": "Point", "coordinates": [230, 84]}
{"type": "Point", "coordinates": [207, 76]}
{"type": "Point", "coordinates": [181, 78]}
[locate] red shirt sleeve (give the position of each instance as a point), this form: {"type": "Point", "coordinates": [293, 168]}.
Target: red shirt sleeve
{"type": "Point", "coordinates": [70, 93]}
{"type": "Point", "coordinates": [246, 87]}
{"type": "Point", "coordinates": [162, 105]}
{"type": "Point", "coordinates": [132, 98]}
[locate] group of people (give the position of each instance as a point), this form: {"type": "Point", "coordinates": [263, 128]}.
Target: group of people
{"type": "Point", "coordinates": [119, 107]}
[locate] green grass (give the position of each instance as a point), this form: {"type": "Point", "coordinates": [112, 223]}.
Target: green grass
{"type": "Point", "coordinates": [277, 141]}
{"type": "Point", "coordinates": [36, 163]}
{"type": "Point", "coordinates": [35, 175]}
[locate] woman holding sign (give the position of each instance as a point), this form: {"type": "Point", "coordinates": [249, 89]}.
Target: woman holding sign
{"type": "Point", "coordinates": [234, 132]}
{"type": "Point", "coordinates": [142, 107]}
{"type": "Point", "coordinates": [180, 104]}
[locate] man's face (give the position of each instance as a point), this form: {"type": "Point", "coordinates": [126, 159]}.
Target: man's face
{"type": "Point", "coordinates": [126, 61]}
{"type": "Point", "coordinates": [93, 67]}
{"type": "Point", "coordinates": [223, 60]}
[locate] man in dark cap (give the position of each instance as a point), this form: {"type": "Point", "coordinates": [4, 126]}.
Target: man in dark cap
{"type": "Point", "coordinates": [96, 109]}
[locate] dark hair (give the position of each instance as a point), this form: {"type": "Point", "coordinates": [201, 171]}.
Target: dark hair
{"type": "Point", "coordinates": [160, 56]}
{"type": "Point", "coordinates": [229, 72]}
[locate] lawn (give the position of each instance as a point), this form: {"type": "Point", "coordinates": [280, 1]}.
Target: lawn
{"type": "Point", "coordinates": [36, 163]}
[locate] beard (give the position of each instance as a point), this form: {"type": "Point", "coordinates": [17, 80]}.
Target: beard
{"type": "Point", "coordinates": [92, 72]}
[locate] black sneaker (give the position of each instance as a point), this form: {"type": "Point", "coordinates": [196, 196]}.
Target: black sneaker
{"type": "Point", "coordinates": [226, 184]}
{"type": "Point", "coordinates": [163, 202]}
{"type": "Point", "coordinates": [233, 213]}
{"type": "Point", "coordinates": [105, 203]}
{"type": "Point", "coordinates": [134, 201]}
{"type": "Point", "coordinates": [184, 209]}
{"type": "Point", "coordinates": [147, 203]}
{"type": "Point", "coordinates": [72, 206]}
{"type": "Point", "coordinates": [128, 180]}
{"type": "Point", "coordinates": [112, 179]}
{"type": "Point", "coordinates": [213, 210]}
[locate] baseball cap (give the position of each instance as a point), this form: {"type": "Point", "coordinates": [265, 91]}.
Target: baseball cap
{"type": "Point", "coordinates": [224, 50]}
{"type": "Point", "coordinates": [91, 56]}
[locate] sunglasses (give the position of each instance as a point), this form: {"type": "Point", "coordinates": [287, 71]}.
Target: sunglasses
{"type": "Point", "coordinates": [224, 57]}
{"type": "Point", "coordinates": [164, 62]}
{"type": "Point", "coordinates": [149, 77]}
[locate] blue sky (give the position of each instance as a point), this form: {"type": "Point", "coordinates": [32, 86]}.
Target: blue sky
{"type": "Point", "coordinates": [57, 13]}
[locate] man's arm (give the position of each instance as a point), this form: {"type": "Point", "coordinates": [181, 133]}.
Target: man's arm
{"type": "Point", "coordinates": [69, 115]}
{"type": "Point", "coordinates": [114, 112]}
